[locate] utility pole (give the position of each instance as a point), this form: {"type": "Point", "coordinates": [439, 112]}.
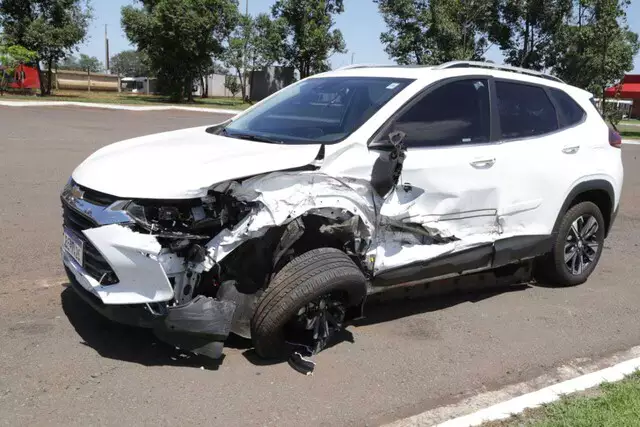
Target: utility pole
{"type": "Point", "coordinates": [353, 54]}
{"type": "Point", "coordinates": [244, 55]}
{"type": "Point", "coordinates": [106, 47]}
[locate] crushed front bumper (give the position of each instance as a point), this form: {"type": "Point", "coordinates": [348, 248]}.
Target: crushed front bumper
{"type": "Point", "coordinates": [122, 276]}
{"type": "Point", "coordinates": [201, 326]}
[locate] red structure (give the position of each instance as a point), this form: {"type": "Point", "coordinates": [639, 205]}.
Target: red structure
{"type": "Point", "coordinates": [24, 77]}
{"type": "Point", "coordinates": [629, 88]}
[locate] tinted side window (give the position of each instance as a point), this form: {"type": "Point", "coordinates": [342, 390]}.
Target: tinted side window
{"type": "Point", "coordinates": [570, 112]}
{"type": "Point", "coordinates": [525, 110]}
{"type": "Point", "coordinates": [455, 113]}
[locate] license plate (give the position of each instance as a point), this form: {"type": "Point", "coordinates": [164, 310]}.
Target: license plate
{"type": "Point", "coordinates": [73, 246]}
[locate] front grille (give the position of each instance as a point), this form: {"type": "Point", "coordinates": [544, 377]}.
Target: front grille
{"type": "Point", "coordinates": [95, 197]}
{"type": "Point", "coordinates": [94, 263]}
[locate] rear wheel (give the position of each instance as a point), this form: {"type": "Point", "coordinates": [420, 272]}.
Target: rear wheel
{"type": "Point", "coordinates": [576, 249]}
{"type": "Point", "coordinates": [305, 304]}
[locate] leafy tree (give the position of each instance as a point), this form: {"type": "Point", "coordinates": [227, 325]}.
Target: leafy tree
{"type": "Point", "coordinates": [130, 63]}
{"type": "Point", "coordinates": [529, 30]}
{"type": "Point", "coordinates": [90, 63]}
{"type": "Point", "coordinates": [52, 28]}
{"type": "Point", "coordinates": [431, 32]}
{"type": "Point", "coordinates": [231, 83]}
{"type": "Point", "coordinates": [596, 47]}
{"type": "Point", "coordinates": [256, 43]}
{"type": "Point", "coordinates": [180, 37]}
{"type": "Point", "coordinates": [309, 38]}
{"type": "Point", "coordinates": [70, 62]}
{"type": "Point", "coordinates": [10, 58]}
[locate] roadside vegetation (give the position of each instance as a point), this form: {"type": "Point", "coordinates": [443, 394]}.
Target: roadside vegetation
{"type": "Point", "coordinates": [129, 99]}
{"type": "Point", "coordinates": [629, 132]}
{"type": "Point", "coordinates": [610, 405]}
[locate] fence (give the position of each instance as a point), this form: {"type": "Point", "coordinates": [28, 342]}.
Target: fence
{"type": "Point", "coordinates": [81, 80]}
{"type": "Point", "coordinates": [261, 83]}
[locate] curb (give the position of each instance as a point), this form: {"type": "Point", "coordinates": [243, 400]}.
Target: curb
{"type": "Point", "coordinates": [115, 106]}
{"type": "Point", "coordinates": [565, 380]}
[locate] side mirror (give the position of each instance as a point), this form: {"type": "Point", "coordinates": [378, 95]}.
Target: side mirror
{"type": "Point", "coordinates": [393, 142]}
{"type": "Point", "coordinates": [396, 139]}
{"type": "Point", "coordinates": [382, 145]}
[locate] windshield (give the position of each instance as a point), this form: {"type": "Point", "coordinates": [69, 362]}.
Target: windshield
{"type": "Point", "coordinates": [318, 110]}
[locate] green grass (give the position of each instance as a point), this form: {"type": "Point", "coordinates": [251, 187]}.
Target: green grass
{"type": "Point", "coordinates": [632, 121]}
{"type": "Point", "coordinates": [128, 99]}
{"type": "Point", "coordinates": [611, 405]}
{"type": "Point", "coordinates": [629, 132]}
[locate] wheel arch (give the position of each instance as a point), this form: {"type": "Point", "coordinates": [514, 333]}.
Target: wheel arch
{"type": "Point", "coordinates": [598, 191]}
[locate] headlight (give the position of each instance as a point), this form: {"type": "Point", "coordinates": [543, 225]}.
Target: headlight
{"type": "Point", "coordinates": [165, 221]}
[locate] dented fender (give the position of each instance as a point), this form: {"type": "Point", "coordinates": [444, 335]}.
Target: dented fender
{"type": "Point", "coordinates": [282, 197]}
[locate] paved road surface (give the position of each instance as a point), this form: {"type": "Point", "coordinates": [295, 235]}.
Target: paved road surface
{"type": "Point", "coordinates": [60, 364]}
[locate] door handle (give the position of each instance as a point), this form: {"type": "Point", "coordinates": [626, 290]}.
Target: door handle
{"type": "Point", "coordinates": [483, 163]}
{"type": "Point", "coordinates": [571, 149]}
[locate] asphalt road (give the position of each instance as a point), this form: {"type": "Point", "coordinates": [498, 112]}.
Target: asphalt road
{"type": "Point", "coordinates": [61, 364]}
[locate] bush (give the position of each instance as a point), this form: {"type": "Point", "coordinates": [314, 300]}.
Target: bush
{"type": "Point", "coordinates": [232, 85]}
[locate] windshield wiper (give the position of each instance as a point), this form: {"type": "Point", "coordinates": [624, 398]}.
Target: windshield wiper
{"type": "Point", "coordinates": [250, 137]}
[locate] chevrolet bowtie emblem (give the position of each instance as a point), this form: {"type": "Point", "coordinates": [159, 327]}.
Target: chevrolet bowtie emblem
{"type": "Point", "coordinates": [76, 192]}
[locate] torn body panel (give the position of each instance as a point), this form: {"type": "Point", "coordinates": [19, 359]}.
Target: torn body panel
{"type": "Point", "coordinates": [134, 259]}
{"type": "Point", "coordinates": [283, 197]}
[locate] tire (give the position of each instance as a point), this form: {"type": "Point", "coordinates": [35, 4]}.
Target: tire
{"type": "Point", "coordinates": [305, 278]}
{"type": "Point", "coordinates": [552, 269]}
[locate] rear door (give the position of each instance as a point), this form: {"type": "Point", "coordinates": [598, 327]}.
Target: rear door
{"type": "Point", "coordinates": [542, 144]}
{"type": "Point", "coordinates": [449, 183]}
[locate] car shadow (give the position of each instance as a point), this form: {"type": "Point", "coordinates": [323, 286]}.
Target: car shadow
{"type": "Point", "coordinates": [126, 343]}
{"type": "Point", "coordinates": [389, 309]}
{"type": "Point", "coordinates": [138, 345]}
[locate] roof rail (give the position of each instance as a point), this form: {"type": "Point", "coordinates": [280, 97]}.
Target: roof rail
{"type": "Point", "coordinates": [353, 66]}
{"type": "Point", "coordinates": [489, 65]}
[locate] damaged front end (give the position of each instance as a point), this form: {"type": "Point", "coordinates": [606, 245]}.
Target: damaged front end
{"type": "Point", "coordinates": [193, 270]}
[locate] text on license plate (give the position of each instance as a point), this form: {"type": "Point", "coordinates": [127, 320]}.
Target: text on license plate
{"type": "Point", "coordinates": [73, 246]}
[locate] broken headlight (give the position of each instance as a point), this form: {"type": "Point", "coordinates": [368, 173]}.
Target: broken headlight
{"type": "Point", "coordinates": [170, 221]}
{"type": "Point", "coordinates": [191, 219]}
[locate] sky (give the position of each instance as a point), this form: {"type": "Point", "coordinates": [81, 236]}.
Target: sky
{"type": "Point", "coordinates": [360, 24]}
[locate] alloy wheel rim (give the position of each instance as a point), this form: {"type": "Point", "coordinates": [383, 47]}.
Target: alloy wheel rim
{"type": "Point", "coordinates": [316, 323]}
{"type": "Point", "coordinates": [581, 245]}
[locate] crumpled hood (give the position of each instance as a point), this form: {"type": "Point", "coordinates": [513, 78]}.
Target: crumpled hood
{"type": "Point", "coordinates": [183, 164]}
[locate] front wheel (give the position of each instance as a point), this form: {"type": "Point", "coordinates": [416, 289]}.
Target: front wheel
{"type": "Point", "coordinates": [306, 302]}
{"type": "Point", "coordinates": [576, 249]}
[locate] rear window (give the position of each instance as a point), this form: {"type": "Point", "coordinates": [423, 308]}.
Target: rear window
{"type": "Point", "coordinates": [525, 110]}
{"type": "Point", "coordinates": [570, 112]}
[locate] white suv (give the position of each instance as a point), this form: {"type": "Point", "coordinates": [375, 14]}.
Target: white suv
{"type": "Point", "coordinates": [277, 223]}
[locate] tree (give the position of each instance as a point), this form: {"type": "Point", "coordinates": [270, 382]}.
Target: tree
{"type": "Point", "coordinates": [231, 83]}
{"type": "Point", "coordinates": [130, 63]}
{"type": "Point", "coordinates": [308, 37]}
{"type": "Point", "coordinates": [180, 37]}
{"type": "Point", "coordinates": [52, 28]}
{"type": "Point", "coordinates": [436, 31]}
{"type": "Point", "coordinates": [254, 44]}
{"type": "Point", "coordinates": [530, 28]}
{"type": "Point", "coordinates": [90, 63]}
{"type": "Point", "coordinates": [70, 62]}
{"type": "Point", "coordinates": [10, 58]}
{"type": "Point", "coordinates": [596, 46]}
